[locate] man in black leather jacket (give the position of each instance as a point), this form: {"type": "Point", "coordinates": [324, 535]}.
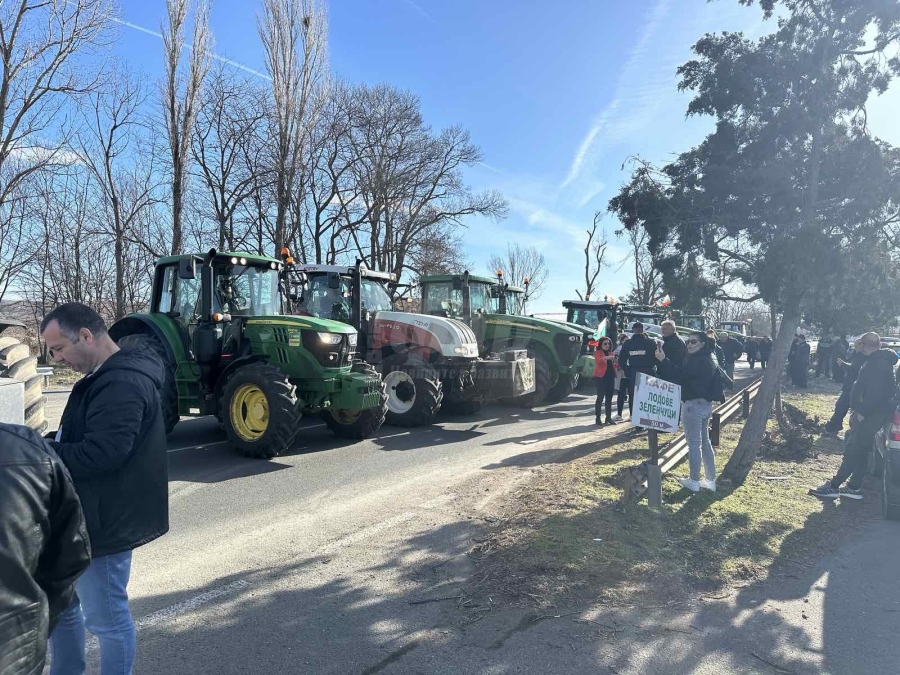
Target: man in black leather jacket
{"type": "Point", "coordinates": [112, 439]}
{"type": "Point", "coordinates": [43, 547]}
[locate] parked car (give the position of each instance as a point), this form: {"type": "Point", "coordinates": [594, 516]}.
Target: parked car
{"type": "Point", "coordinates": [886, 465]}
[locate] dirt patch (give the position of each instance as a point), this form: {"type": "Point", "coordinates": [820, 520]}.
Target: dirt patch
{"type": "Point", "coordinates": [565, 539]}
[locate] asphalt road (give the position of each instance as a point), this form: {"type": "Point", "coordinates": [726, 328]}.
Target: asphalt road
{"type": "Point", "coordinates": [346, 558]}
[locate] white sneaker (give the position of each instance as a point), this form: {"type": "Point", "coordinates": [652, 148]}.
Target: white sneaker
{"type": "Point", "coordinates": [618, 416]}
{"type": "Point", "coordinates": [708, 484]}
{"type": "Point", "coordinates": [690, 484]}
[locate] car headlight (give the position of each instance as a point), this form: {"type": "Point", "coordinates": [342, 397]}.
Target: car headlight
{"type": "Point", "coordinates": [330, 338]}
{"type": "Point", "coordinates": [352, 338]}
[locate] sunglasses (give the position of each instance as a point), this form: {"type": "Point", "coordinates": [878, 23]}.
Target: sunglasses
{"type": "Point", "coordinates": [693, 341]}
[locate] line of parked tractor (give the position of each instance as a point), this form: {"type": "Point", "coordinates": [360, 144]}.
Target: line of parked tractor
{"type": "Point", "coordinates": [259, 342]}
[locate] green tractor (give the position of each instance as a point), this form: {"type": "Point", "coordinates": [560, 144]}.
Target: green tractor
{"type": "Point", "coordinates": [598, 319]}
{"type": "Point", "coordinates": [232, 353]}
{"type": "Point", "coordinates": [484, 303]}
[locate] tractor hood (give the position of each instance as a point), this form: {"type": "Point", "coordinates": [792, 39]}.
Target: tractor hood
{"type": "Point", "coordinates": [540, 325]}
{"type": "Point", "coordinates": [303, 322]}
{"type": "Point", "coordinates": [449, 337]}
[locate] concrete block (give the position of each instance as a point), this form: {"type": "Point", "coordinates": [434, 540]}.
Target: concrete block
{"type": "Point", "coordinates": [12, 401]}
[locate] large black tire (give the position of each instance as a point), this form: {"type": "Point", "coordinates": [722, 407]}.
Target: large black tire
{"type": "Point", "coordinates": [358, 424]}
{"type": "Point", "coordinates": [564, 386]}
{"type": "Point", "coordinates": [461, 407]}
{"type": "Point", "coordinates": [890, 496]}
{"type": "Point", "coordinates": [16, 362]}
{"type": "Point", "coordinates": [414, 393]}
{"type": "Point", "coordinates": [259, 411]}
{"type": "Point", "coordinates": [542, 382]}
{"type": "Point", "coordinates": [168, 394]}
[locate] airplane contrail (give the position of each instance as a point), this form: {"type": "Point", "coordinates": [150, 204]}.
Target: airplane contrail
{"type": "Point", "coordinates": [223, 59]}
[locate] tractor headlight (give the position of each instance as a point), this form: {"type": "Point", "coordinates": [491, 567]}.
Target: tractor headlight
{"type": "Point", "coordinates": [461, 350]}
{"type": "Point", "coordinates": [330, 338]}
{"type": "Point", "coordinates": [352, 338]}
{"type": "Point", "coordinates": [573, 338]}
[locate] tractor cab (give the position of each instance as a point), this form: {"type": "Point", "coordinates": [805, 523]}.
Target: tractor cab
{"type": "Point", "coordinates": [602, 319]}
{"type": "Point", "coordinates": [739, 330]}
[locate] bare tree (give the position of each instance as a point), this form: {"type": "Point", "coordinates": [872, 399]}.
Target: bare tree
{"type": "Point", "coordinates": [226, 144]}
{"type": "Point", "coordinates": [40, 43]}
{"type": "Point", "coordinates": [181, 96]}
{"type": "Point", "coordinates": [410, 179]}
{"type": "Point", "coordinates": [294, 37]}
{"type": "Point", "coordinates": [521, 263]}
{"type": "Point", "coordinates": [594, 254]}
{"type": "Point", "coordinates": [648, 281]}
{"type": "Point", "coordinates": [109, 146]}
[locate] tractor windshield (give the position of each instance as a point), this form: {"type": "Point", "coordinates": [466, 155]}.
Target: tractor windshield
{"type": "Point", "coordinates": [374, 297]}
{"type": "Point", "coordinates": [515, 303]}
{"type": "Point", "coordinates": [247, 291]}
{"type": "Point", "coordinates": [323, 300]}
{"type": "Point", "coordinates": [441, 299]}
{"type": "Point", "coordinates": [588, 317]}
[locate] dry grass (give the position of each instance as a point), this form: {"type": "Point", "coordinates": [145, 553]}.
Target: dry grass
{"type": "Point", "coordinates": [568, 536]}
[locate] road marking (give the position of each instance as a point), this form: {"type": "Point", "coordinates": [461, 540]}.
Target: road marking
{"type": "Point", "coordinates": [168, 613]}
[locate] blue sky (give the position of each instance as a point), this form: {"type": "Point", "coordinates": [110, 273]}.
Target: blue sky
{"type": "Point", "coordinates": [558, 97]}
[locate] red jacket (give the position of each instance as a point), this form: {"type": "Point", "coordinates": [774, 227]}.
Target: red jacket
{"type": "Point", "coordinates": [601, 364]}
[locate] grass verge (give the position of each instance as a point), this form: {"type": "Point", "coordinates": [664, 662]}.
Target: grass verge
{"type": "Point", "coordinates": [568, 537]}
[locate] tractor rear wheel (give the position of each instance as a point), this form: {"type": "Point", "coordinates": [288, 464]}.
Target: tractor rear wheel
{"type": "Point", "coordinates": [542, 382]}
{"type": "Point", "coordinates": [358, 424]}
{"type": "Point", "coordinates": [414, 392]}
{"type": "Point", "coordinates": [564, 386]}
{"type": "Point", "coordinates": [259, 411]}
{"type": "Point", "coordinates": [168, 394]}
{"type": "Point", "coordinates": [16, 362]}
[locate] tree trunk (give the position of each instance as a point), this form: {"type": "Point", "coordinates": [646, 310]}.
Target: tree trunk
{"type": "Point", "coordinates": [177, 200]}
{"type": "Point", "coordinates": [738, 467]}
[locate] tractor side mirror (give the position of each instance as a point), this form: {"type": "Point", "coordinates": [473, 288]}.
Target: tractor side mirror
{"type": "Point", "coordinates": [187, 268]}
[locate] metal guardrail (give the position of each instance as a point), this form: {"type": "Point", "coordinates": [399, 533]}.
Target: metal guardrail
{"type": "Point", "coordinates": [676, 451]}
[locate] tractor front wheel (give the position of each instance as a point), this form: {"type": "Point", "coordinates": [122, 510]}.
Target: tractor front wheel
{"type": "Point", "coordinates": [414, 393]}
{"type": "Point", "coordinates": [259, 411]}
{"type": "Point", "coordinates": [564, 386]}
{"type": "Point", "coordinates": [358, 424]}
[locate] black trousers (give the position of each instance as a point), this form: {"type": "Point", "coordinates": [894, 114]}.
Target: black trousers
{"type": "Point", "coordinates": [823, 366]}
{"type": "Point", "coordinates": [632, 383]}
{"type": "Point", "coordinates": [836, 423]}
{"type": "Point", "coordinates": [624, 386]}
{"type": "Point", "coordinates": [605, 387]}
{"type": "Point", "coordinates": [858, 444]}
{"type": "Point", "coordinates": [799, 373]}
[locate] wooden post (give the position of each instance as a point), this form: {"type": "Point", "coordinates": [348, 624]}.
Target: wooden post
{"type": "Point", "coordinates": [715, 428]}
{"type": "Point", "coordinates": [745, 404]}
{"type": "Point", "coordinates": [654, 475]}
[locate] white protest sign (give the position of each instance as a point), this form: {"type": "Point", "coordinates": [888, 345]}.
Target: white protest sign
{"type": "Point", "coordinates": [657, 404]}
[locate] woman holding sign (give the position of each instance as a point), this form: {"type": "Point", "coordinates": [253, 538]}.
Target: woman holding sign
{"type": "Point", "coordinates": [605, 376]}
{"type": "Point", "coordinates": [695, 375]}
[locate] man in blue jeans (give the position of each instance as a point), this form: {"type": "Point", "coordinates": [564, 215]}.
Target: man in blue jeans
{"type": "Point", "coordinates": [112, 439]}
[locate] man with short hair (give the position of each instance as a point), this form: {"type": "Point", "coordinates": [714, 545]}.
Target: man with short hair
{"type": "Point", "coordinates": [765, 351]}
{"type": "Point", "coordinates": [752, 348]}
{"type": "Point", "coordinates": [638, 356]}
{"type": "Point", "coordinates": [823, 356]}
{"type": "Point", "coordinates": [43, 547]}
{"type": "Point", "coordinates": [673, 346]}
{"type": "Point", "coordinates": [870, 401]}
{"type": "Point", "coordinates": [112, 439]}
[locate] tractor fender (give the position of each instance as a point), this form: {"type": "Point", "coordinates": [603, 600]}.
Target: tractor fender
{"type": "Point", "coordinates": [233, 366]}
{"type": "Point", "coordinates": [137, 324]}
